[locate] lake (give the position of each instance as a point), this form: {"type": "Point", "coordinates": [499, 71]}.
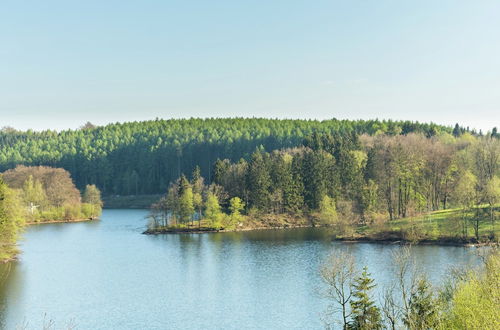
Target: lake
{"type": "Point", "coordinates": [107, 275]}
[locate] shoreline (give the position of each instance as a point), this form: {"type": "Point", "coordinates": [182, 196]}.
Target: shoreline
{"type": "Point", "coordinates": [60, 221]}
{"type": "Point", "coordinates": [442, 241]}
{"type": "Point", "coordinates": [213, 230]}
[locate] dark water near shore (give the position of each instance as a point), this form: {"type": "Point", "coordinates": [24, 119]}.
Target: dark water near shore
{"type": "Point", "coordinates": [106, 275]}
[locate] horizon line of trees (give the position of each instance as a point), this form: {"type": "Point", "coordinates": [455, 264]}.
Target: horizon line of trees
{"type": "Point", "coordinates": [144, 157]}
{"type": "Point", "coordinates": [350, 179]}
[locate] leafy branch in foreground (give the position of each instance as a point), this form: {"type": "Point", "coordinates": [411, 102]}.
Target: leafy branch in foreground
{"type": "Point", "coordinates": [469, 300]}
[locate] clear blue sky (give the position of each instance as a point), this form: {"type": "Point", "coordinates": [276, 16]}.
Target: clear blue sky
{"type": "Point", "coordinates": [66, 62]}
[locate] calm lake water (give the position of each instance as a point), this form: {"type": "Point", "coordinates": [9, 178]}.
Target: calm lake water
{"type": "Point", "coordinates": [106, 275]}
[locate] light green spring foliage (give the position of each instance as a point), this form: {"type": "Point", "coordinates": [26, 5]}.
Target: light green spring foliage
{"type": "Point", "coordinates": [213, 211]}
{"type": "Point", "coordinates": [33, 193]}
{"type": "Point", "coordinates": [29, 201]}
{"type": "Point", "coordinates": [327, 210]}
{"type": "Point", "coordinates": [92, 203]}
{"type": "Point", "coordinates": [236, 206]}
{"type": "Point", "coordinates": [186, 205]}
{"type": "Point", "coordinates": [11, 221]}
{"type": "Point", "coordinates": [476, 301]}
{"type": "Point", "coordinates": [492, 191]}
{"type": "Point", "coordinates": [466, 189]}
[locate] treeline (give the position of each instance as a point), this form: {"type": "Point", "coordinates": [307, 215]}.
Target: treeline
{"type": "Point", "coordinates": [40, 194]}
{"type": "Point", "coordinates": [468, 298]}
{"type": "Point", "coordinates": [144, 157]}
{"type": "Point", "coordinates": [346, 179]}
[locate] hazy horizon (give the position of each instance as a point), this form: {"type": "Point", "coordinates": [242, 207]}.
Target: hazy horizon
{"type": "Point", "coordinates": [66, 63]}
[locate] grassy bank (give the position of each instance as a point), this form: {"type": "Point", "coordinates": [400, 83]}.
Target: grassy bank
{"type": "Point", "coordinates": [444, 226]}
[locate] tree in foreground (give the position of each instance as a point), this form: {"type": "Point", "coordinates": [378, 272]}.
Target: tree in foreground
{"type": "Point", "coordinates": [365, 314]}
{"type": "Point", "coordinates": [338, 273]}
{"type": "Point", "coordinates": [422, 307]}
{"type": "Point", "coordinates": [11, 221]}
{"type": "Point", "coordinates": [476, 300]}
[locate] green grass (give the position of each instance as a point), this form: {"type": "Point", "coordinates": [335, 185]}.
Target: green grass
{"type": "Point", "coordinates": [437, 225]}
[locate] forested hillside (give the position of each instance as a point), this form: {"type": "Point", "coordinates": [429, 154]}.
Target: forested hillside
{"type": "Point", "coordinates": [144, 157]}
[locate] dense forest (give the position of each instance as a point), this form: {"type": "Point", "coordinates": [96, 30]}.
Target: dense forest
{"type": "Point", "coordinates": [144, 157]}
{"type": "Point", "coordinates": [347, 179]}
{"type": "Point", "coordinates": [38, 194]}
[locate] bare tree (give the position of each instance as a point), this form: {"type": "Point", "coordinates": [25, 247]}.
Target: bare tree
{"type": "Point", "coordinates": [390, 309]}
{"type": "Point", "coordinates": [396, 299]}
{"type": "Point", "coordinates": [338, 273]}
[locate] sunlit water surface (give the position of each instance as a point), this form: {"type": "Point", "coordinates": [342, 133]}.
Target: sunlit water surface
{"type": "Point", "coordinates": [107, 275]}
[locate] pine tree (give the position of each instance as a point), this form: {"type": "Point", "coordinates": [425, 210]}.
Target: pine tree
{"type": "Point", "coordinates": [422, 307]}
{"type": "Point", "coordinates": [365, 315]}
{"type": "Point", "coordinates": [456, 130]}
{"type": "Point", "coordinates": [259, 182]}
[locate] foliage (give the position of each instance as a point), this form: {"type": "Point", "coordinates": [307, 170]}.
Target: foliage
{"type": "Point", "coordinates": [144, 157]}
{"type": "Point", "coordinates": [49, 194]}
{"type": "Point", "coordinates": [475, 300]}
{"type": "Point", "coordinates": [469, 301]}
{"type": "Point", "coordinates": [365, 314]}
{"type": "Point", "coordinates": [347, 181]}
{"type": "Point", "coordinates": [327, 210]}
{"type": "Point", "coordinates": [11, 221]}
{"type": "Point", "coordinates": [213, 211]}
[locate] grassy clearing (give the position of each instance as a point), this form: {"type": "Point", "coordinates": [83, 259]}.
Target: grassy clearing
{"type": "Point", "coordinates": [438, 225]}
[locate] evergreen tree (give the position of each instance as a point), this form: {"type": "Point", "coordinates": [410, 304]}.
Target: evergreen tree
{"type": "Point", "coordinates": [293, 188]}
{"type": "Point", "coordinates": [259, 182]}
{"type": "Point", "coordinates": [456, 130]}
{"type": "Point", "coordinates": [365, 315]}
{"type": "Point", "coordinates": [422, 312]}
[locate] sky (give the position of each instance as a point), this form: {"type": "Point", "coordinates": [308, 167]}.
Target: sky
{"type": "Point", "coordinates": [63, 63]}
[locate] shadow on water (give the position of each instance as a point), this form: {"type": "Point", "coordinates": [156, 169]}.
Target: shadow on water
{"type": "Point", "coordinates": [10, 287]}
